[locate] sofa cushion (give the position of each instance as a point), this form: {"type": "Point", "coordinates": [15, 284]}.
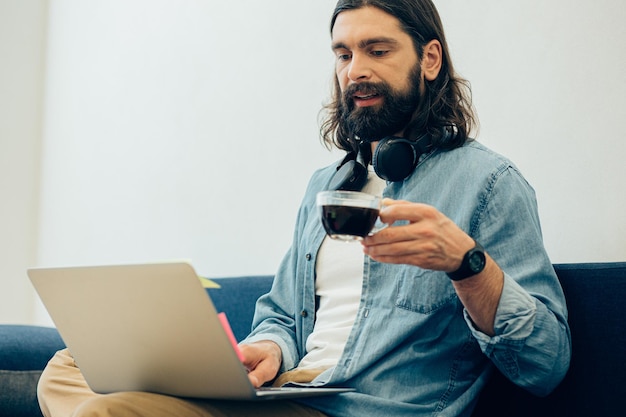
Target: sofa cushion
{"type": "Point", "coordinates": [18, 394]}
{"type": "Point", "coordinates": [24, 352]}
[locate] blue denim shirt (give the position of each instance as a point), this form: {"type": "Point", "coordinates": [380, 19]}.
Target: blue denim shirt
{"type": "Point", "coordinates": [413, 351]}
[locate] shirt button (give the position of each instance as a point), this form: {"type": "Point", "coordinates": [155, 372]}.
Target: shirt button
{"type": "Point", "coordinates": [303, 313]}
{"type": "Point", "coordinates": [308, 256]}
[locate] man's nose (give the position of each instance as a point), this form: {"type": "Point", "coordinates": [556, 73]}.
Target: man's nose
{"type": "Point", "coordinates": [359, 69]}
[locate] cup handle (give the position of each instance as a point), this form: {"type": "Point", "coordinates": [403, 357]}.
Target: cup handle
{"type": "Point", "coordinates": [378, 226]}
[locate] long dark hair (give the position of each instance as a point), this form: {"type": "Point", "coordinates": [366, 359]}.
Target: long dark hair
{"type": "Point", "coordinates": [446, 104]}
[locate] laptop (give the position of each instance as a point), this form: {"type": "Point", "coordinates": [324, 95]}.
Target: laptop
{"type": "Point", "coordinates": [152, 328]}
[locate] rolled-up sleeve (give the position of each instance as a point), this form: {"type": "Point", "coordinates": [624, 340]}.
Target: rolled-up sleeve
{"type": "Point", "coordinates": [531, 346]}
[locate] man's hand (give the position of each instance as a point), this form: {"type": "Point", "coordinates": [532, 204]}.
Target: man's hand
{"type": "Point", "coordinates": [263, 360]}
{"type": "Point", "coordinates": [430, 240]}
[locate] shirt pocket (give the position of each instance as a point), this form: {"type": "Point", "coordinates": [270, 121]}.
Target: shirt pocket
{"type": "Point", "coordinates": [424, 291]}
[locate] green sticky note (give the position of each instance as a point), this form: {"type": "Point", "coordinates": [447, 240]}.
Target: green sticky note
{"type": "Point", "coordinates": [207, 283]}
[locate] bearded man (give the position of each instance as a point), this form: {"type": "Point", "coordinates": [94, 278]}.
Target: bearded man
{"type": "Point", "coordinates": [419, 315]}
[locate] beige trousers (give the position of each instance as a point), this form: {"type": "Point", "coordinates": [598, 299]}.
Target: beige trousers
{"type": "Point", "coordinates": [63, 392]}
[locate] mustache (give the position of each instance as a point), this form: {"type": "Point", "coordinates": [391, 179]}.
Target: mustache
{"type": "Point", "coordinates": [366, 88]}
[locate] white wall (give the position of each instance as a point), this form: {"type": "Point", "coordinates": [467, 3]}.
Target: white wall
{"type": "Point", "coordinates": [180, 131]}
{"type": "Point", "coordinates": [189, 129]}
{"type": "Point", "coordinates": [22, 41]}
{"type": "Point", "coordinates": [549, 81]}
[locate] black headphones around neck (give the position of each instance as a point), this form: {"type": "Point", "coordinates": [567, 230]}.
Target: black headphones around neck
{"type": "Point", "coordinates": [394, 160]}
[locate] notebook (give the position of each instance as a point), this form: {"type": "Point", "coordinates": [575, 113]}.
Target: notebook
{"type": "Point", "coordinates": [149, 327]}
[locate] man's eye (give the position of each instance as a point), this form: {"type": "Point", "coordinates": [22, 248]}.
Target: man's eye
{"type": "Point", "coordinates": [379, 53]}
{"type": "Point", "coordinates": [343, 57]}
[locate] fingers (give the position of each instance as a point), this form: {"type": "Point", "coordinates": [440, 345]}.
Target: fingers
{"type": "Point", "coordinates": [418, 216]}
{"type": "Point", "coordinates": [254, 380]}
{"type": "Point", "coordinates": [421, 236]}
{"type": "Point", "coordinates": [263, 360]}
{"type": "Point", "coordinates": [400, 246]}
{"type": "Point", "coordinates": [394, 210]}
{"type": "Point", "coordinates": [257, 378]}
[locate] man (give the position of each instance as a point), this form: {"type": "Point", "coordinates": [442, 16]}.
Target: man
{"type": "Point", "coordinates": [417, 317]}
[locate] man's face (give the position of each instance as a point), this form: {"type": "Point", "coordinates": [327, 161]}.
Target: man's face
{"type": "Point", "coordinates": [378, 72]}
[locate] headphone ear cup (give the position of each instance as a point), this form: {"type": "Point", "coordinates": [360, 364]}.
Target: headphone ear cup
{"type": "Point", "coordinates": [394, 159]}
{"type": "Point", "coordinates": [350, 177]}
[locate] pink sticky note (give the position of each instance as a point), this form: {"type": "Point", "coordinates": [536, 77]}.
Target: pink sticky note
{"type": "Point", "coordinates": [231, 336]}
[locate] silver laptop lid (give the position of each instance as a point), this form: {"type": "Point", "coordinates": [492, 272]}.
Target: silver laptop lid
{"type": "Point", "coordinates": [145, 327]}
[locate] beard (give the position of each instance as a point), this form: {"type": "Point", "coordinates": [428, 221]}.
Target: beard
{"type": "Point", "coordinates": [373, 123]}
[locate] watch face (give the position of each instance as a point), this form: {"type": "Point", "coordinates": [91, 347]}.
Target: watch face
{"type": "Point", "coordinates": [473, 263]}
{"type": "Point", "coordinates": [476, 262]}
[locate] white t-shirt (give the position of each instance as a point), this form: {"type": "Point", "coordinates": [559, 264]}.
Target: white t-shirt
{"type": "Point", "coordinates": [338, 283]}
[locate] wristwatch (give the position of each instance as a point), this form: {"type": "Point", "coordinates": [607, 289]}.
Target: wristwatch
{"type": "Point", "coordinates": [473, 263]}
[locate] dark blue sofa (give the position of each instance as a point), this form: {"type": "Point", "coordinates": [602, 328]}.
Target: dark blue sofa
{"type": "Point", "coordinates": [594, 385]}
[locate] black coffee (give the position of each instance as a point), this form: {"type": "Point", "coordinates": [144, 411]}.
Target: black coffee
{"type": "Point", "coordinates": [346, 220]}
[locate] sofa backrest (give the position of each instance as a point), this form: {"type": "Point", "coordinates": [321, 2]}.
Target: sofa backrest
{"type": "Point", "coordinates": [236, 297]}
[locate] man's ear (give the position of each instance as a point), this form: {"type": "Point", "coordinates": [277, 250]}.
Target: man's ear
{"type": "Point", "coordinates": [432, 58]}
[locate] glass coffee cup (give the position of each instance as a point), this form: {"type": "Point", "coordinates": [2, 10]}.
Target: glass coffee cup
{"type": "Point", "coordinates": [349, 215]}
